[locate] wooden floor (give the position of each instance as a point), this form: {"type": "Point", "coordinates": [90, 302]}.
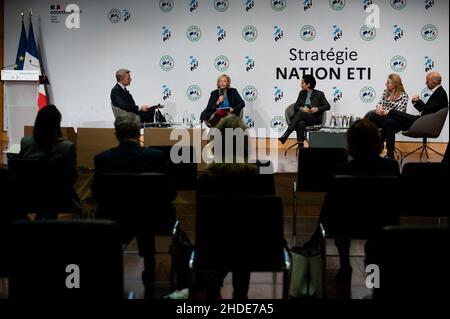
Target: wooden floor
{"type": "Point", "coordinates": [263, 285]}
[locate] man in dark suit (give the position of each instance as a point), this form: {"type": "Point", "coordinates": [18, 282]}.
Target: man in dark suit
{"type": "Point", "coordinates": [308, 109]}
{"type": "Point", "coordinates": [130, 157]}
{"type": "Point", "coordinates": [401, 121]}
{"type": "Point", "coordinates": [120, 97]}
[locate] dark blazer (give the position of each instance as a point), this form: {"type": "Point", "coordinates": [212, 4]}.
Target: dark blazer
{"type": "Point", "coordinates": [236, 102]}
{"type": "Point", "coordinates": [318, 100]}
{"type": "Point", "coordinates": [123, 99]}
{"type": "Point", "coordinates": [438, 100]}
{"type": "Point", "coordinates": [376, 166]}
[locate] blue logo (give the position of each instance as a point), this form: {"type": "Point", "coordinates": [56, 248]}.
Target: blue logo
{"type": "Point", "coordinates": [278, 34]}
{"type": "Point", "coordinates": [367, 32]}
{"type": "Point", "coordinates": [337, 5]}
{"type": "Point", "coordinates": [425, 94]}
{"type": "Point", "coordinates": [166, 5]}
{"type": "Point", "coordinates": [166, 33]}
{"type": "Point", "coordinates": [249, 5]}
{"type": "Point", "coordinates": [126, 15]}
{"type": "Point", "coordinates": [221, 5]}
{"type": "Point", "coordinates": [193, 5]}
{"type": "Point", "coordinates": [278, 5]}
{"type": "Point", "coordinates": [166, 92]}
{"type": "Point", "coordinates": [193, 33]}
{"type": "Point", "coordinates": [337, 94]}
{"type": "Point", "coordinates": [249, 63]}
{"type": "Point", "coordinates": [250, 93]}
{"type": "Point", "coordinates": [398, 63]}
{"type": "Point", "coordinates": [429, 4]}
{"type": "Point", "coordinates": [428, 63]}
{"type": "Point", "coordinates": [221, 63]}
{"type": "Point", "coordinates": [367, 94]}
{"type": "Point", "coordinates": [308, 33]}
{"type": "Point", "coordinates": [398, 33]}
{"type": "Point", "coordinates": [194, 93]}
{"type": "Point", "coordinates": [166, 63]}
{"type": "Point", "coordinates": [221, 33]}
{"type": "Point", "coordinates": [366, 4]}
{"type": "Point", "coordinates": [278, 93]}
{"type": "Point", "coordinates": [307, 4]}
{"type": "Point", "coordinates": [278, 123]}
{"type": "Point", "coordinates": [249, 33]}
{"type": "Point", "coordinates": [429, 32]}
{"type": "Point", "coordinates": [337, 32]}
{"type": "Point", "coordinates": [193, 63]}
{"type": "Point", "coordinates": [398, 4]}
{"type": "Point", "coordinates": [249, 122]}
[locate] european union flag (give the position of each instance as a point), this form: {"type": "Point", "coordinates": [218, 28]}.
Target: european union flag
{"type": "Point", "coordinates": [20, 58]}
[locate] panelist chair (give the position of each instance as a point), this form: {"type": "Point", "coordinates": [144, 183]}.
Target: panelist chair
{"type": "Point", "coordinates": [427, 126]}
{"type": "Point", "coordinates": [289, 113]}
{"type": "Point", "coordinates": [117, 111]}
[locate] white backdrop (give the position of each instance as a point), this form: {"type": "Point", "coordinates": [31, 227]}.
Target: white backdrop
{"type": "Point", "coordinates": [81, 63]}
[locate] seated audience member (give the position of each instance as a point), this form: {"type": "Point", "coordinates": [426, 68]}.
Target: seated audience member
{"type": "Point", "coordinates": [400, 121]}
{"type": "Point", "coordinates": [223, 101]}
{"type": "Point", "coordinates": [130, 157]}
{"type": "Point", "coordinates": [393, 98]}
{"type": "Point", "coordinates": [309, 109]}
{"type": "Point", "coordinates": [121, 98]}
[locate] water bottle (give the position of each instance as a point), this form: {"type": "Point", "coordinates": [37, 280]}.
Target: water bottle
{"type": "Point", "coordinates": [344, 121]}
{"type": "Point", "coordinates": [350, 121]}
{"type": "Point", "coordinates": [333, 120]}
{"type": "Point", "coordinates": [185, 118]}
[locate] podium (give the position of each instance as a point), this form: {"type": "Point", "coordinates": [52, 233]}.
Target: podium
{"type": "Point", "coordinates": [21, 95]}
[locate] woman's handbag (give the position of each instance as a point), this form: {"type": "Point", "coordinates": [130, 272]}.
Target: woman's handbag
{"type": "Point", "coordinates": [306, 278]}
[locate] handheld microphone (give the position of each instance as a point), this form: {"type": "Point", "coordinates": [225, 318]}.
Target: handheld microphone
{"type": "Point", "coordinates": [221, 92]}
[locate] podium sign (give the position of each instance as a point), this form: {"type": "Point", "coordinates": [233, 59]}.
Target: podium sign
{"type": "Point", "coordinates": [21, 95]}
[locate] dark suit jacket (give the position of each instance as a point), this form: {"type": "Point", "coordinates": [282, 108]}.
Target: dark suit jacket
{"type": "Point", "coordinates": [438, 100]}
{"type": "Point", "coordinates": [123, 99]}
{"type": "Point", "coordinates": [236, 102]}
{"type": "Point", "coordinates": [376, 166]}
{"type": "Point", "coordinates": [318, 100]}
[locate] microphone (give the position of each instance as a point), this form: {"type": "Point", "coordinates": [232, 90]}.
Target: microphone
{"type": "Point", "coordinates": [7, 66]}
{"type": "Point", "coordinates": [31, 63]}
{"type": "Point", "coordinates": [221, 92]}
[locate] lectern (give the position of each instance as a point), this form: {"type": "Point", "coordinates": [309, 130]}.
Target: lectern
{"type": "Point", "coordinates": [21, 95]}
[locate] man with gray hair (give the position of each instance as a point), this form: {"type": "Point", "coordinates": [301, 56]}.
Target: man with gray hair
{"type": "Point", "coordinates": [121, 98]}
{"type": "Point", "coordinates": [401, 121]}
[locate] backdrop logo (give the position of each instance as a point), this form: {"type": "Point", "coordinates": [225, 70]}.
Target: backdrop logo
{"type": "Point", "coordinates": [166, 92]}
{"type": "Point", "coordinates": [337, 4]}
{"type": "Point", "coordinates": [249, 5]}
{"type": "Point", "coordinates": [193, 5]}
{"type": "Point", "coordinates": [250, 93]}
{"type": "Point", "coordinates": [278, 5]}
{"type": "Point", "coordinates": [278, 34]}
{"type": "Point", "coordinates": [221, 5]}
{"type": "Point", "coordinates": [398, 4]}
{"type": "Point", "coordinates": [367, 94]}
{"type": "Point", "coordinates": [166, 5]}
{"type": "Point", "coordinates": [194, 33]}
{"type": "Point", "coordinates": [278, 123]}
{"type": "Point", "coordinates": [72, 13]}
{"type": "Point", "coordinates": [307, 4]}
{"type": "Point", "coordinates": [166, 63]}
{"type": "Point", "coordinates": [249, 63]}
{"type": "Point", "coordinates": [337, 94]}
{"type": "Point", "coordinates": [425, 94]}
{"type": "Point", "coordinates": [193, 63]}
{"type": "Point", "coordinates": [221, 63]}
{"type": "Point", "coordinates": [398, 33]}
{"type": "Point", "coordinates": [429, 32]}
{"type": "Point", "coordinates": [367, 32]}
{"type": "Point", "coordinates": [114, 15]}
{"type": "Point", "coordinates": [126, 15]}
{"type": "Point", "coordinates": [429, 4]}
{"type": "Point", "coordinates": [194, 93]}
{"type": "Point", "coordinates": [428, 63]}
{"type": "Point", "coordinates": [398, 63]}
{"type": "Point", "coordinates": [308, 33]}
{"type": "Point", "coordinates": [337, 32]}
{"type": "Point", "coordinates": [249, 122]}
{"type": "Point", "coordinates": [221, 33]}
{"type": "Point", "coordinates": [366, 4]}
{"type": "Point", "coordinates": [166, 34]}
{"type": "Point", "coordinates": [278, 93]}
{"type": "Point", "coordinates": [249, 33]}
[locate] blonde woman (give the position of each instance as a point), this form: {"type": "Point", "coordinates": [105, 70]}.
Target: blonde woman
{"type": "Point", "coordinates": [393, 98]}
